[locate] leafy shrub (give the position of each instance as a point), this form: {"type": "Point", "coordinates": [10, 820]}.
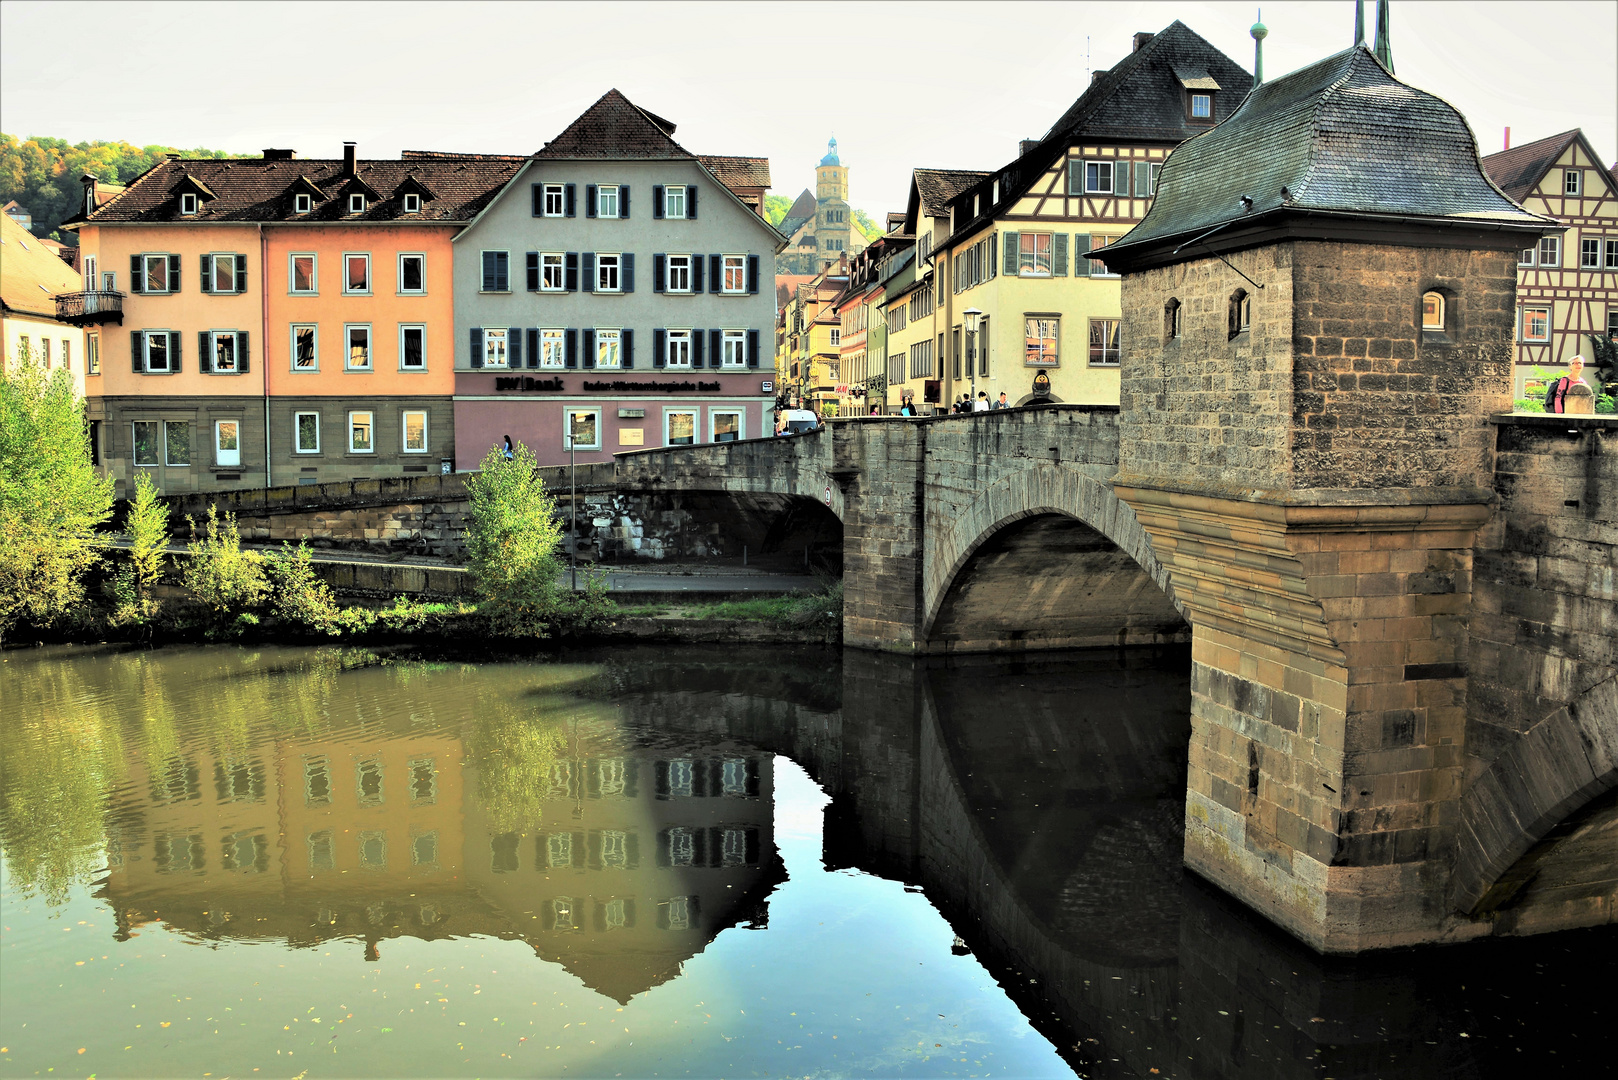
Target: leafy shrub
{"type": "Point", "coordinates": [1528, 405]}
{"type": "Point", "coordinates": [512, 543]}
{"type": "Point", "coordinates": [148, 530]}
{"type": "Point", "coordinates": [299, 595]}
{"type": "Point", "coordinates": [224, 579]}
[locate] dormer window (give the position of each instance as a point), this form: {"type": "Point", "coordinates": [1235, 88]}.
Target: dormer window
{"type": "Point", "coordinates": [188, 203]}
{"type": "Point", "coordinates": [301, 204]}
{"type": "Point", "coordinates": [1200, 106]}
{"type": "Point", "coordinates": [412, 204]}
{"type": "Point", "coordinates": [356, 204]}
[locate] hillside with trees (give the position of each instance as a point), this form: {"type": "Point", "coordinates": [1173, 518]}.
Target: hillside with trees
{"type": "Point", "coordinates": [42, 173]}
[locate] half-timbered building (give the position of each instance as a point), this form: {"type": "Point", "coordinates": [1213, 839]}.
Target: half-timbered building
{"type": "Point", "coordinates": [1567, 285]}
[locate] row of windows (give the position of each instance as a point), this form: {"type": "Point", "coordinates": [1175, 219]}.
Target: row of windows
{"type": "Point", "coordinates": [611, 201]}
{"type": "Point", "coordinates": [224, 273]}
{"type": "Point", "coordinates": [1595, 253]}
{"type": "Point", "coordinates": [614, 272]}
{"type": "Point", "coordinates": [303, 203]}
{"type": "Point", "coordinates": [1107, 177]}
{"type": "Point", "coordinates": [555, 348]}
{"type": "Point", "coordinates": [1534, 323]}
{"type": "Point", "coordinates": [681, 427]}
{"type": "Point", "coordinates": [228, 352]}
{"type": "Point", "coordinates": [64, 355]}
{"type": "Point", "coordinates": [169, 442]}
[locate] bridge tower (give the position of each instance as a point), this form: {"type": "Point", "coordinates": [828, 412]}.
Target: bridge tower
{"type": "Point", "coordinates": [1318, 311]}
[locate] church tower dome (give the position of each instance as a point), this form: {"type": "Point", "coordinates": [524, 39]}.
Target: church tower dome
{"type": "Point", "coordinates": [831, 176]}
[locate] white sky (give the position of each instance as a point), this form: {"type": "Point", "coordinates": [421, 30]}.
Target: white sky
{"type": "Point", "coordinates": [899, 84]}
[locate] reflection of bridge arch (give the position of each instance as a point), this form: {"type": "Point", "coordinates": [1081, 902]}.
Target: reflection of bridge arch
{"type": "Point", "coordinates": [1037, 515]}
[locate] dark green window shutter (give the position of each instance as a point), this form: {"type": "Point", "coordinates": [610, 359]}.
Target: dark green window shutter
{"type": "Point", "coordinates": [696, 349]}
{"type": "Point", "coordinates": [488, 271]}
{"type": "Point", "coordinates": [589, 345]}
{"type": "Point", "coordinates": [752, 275]}
{"type": "Point", "coordinates": [204, 355]}
{"type": "Point", "coordinates": [1120, 178]}
{"type": "Point", "coordinates": [589, 200]}
{"type": "Point", "coordinates": [691, 201]}
{"type": "Point", "coordinates": [137, 282]}
{"type": "Point", "coordinates": [1059, 254]}
{"type": "Point", "coordinates": [752, 348]}
{"type": "Point", "coordinates": [1081, 265]}
{"type": "Point", "coordinates": [623, 200]}
{"type": "Point", "coordinates": [533, 271]}
{"type": "Point", "coordinates": [205, 274]}
{"type": "Point", "coordinates": [571, 352]}
{"type": "Point", "coordinates": [1143, 179]}
{"type": "Point", "coordinates": [568, 197]}
{"type": "Point", "coordinates": [589, 271]}
{"type": "Point", "coordinates": [242, 361]}
{"type": "Point", "coordinates": [657, 201]}
{"type": "Point", "coordinates": [570, 271]}
{"type": "Point", "coordinates": [716, 273]}
{"type": "Point", "coordinates": [716, 348]}
{"type": "Point", "coordinates": [533, 346]}
{"type": "Point", "coordinates": [993, 254]}
{"type": "Point", "coordinates": [626, 271]}
{"type": "Point", "coordinates": [627, 348]}
{"type": "Point", "coordinates": [514, 338]}
{"type": "Point", "coordinates": [137, 361]}
{"type": "Point", "coordinates": [1013, 246]}
{"type": "Point", "coordinates": [174, 344]}
{"type": "Point", "coordinates": [174, 273]}
{"type": "Point", "coordinates": [1075, 178]}
{"type": "Point", "coordinates": [241, 273]}
{"type": "Point", "coordinates": [660, 339]}
{"type": "Point", "coordinates": [477, 346]}
{"type": "Point", "coordinates": [696, 274]}
{"type": "Point", "coordinates": [538, 192]}
{"type": "Point", "coordinates": [659, 271]}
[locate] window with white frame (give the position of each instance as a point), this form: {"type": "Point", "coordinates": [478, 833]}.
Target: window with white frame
{"type": "Point", "coordinates": [1201, 106]}
{"type": "Point", "coordinates": [356, 204]}
{"type": "Point", "coordinates": [735, 268]}
{"type": "Point", "coordinates": [362, 432]}
{"type": "Point", "coordinates": [412, 347]}
{"type": "Point", "coordinates": [1098, 177]}
{"type": "Point", "coordinates": [1573, 182]}
{"type": "Point", "coordinates": [1104, 350]}
{"type": "Point", "coordinates": [188, 203]}
{"type": "Point", "coordinates": [1550, 251]}
{"type": "Point", "coordinates": [1097, 267]}
{"type": "Point", "coordinates": [607, 201]}
{"type": "Point", "coordinates": [679, 427]}
{"type": "Point", "coordinates": [1589, 253]}
{"type": "Point", "coordinates": [412, 203]}
{"type": "Point", "coordinates": [679, 273]}
{"type": "Point", "coordinates": [836, 336]}
{"type": "Point", "coordinates": [494, 347]}
{"type": "Point", "coordinates": [1526, 256]}
{"type": "Point", "coordinates": [92, 354]}
{"type": "Point", "coordinates": [221, 274]}
{"type": "Point", "coordinates": [678, 354]}
{"type": "Point", "coordinates": [609, 349]}
{"type": "Point", "coordinates": [552, 277]}
{"type": "Point", "coordinates": [222, 351]}
{"type": "Point", "coordinates": [1034, 254]}
{"type": "Point", "coordinates": [1612, 322]}
{"type": "Point", "coordinates": [305, 347]}
{"type": "Point", "coordinates": [301, 277]}
{"type": "Point", "coordinates": [145, 442]}
{"type": "Point", "coordinates": [584, 428]}
{"type": "Point", "coordinates": [554, 204]}
{"type": "Point", "coordinates": [414, 433]}
{"type": "Point", "coordinates": [674, 201]}
{"type": "Point", "coordinates": [156, 344]}
{"type": "Point", "coordinates": [1609, 248]}
{"type": "Point", "coordinates": [725, 425]}
{"type": "Point", "coordinates": [154, 277]}
{"type": "Point", "coordinates": [306, 432]}
{"type": "Point", "coordinates": [607, 271]}
{"type": "Point", "coordinates": [552, 348]}
{"type": "Point", "coordinates": [302, 204]}
{"type": "Point", "coordinates": [1536, 324]}
{"type": "Point", "coordinates": [176, 442]}
{"type": "Point", "coordinates": [1432, 310]}
{"type": "Point", "coordinates": [735, 349]}
{"type": "Point", "coordinates": [227, 442]}
{"type": "Point", "coordinates": [357, 355]}
{"type": "Point", "coordinates": [412, 273]}
{"type": "Point", "coordinates": [1040, 340]}
{"type": "Point", "coordinates": [356, 273]}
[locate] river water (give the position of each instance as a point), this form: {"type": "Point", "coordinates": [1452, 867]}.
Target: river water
{"type": "Point", "coordinates": [677, 862]}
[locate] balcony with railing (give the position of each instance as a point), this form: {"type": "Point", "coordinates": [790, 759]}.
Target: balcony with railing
{"type": "Point", "coordinates": [90, 308]}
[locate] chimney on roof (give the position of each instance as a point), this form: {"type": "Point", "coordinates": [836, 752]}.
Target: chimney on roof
{"type": "Point", "coordinates": [279, 155]}
{"type": "Point", "coordinates": [1095, 77]}
{"type": "Point", "coordinates": [348, 159]}
{"type": "Point", "coordinates": [1142, 38]}
{"type": "Point", "coordinates": [172, 157]}
{"type": "Point", "coordinates": [1508, 140]}
{"type": "Point", "coordinates": [1026, 145]}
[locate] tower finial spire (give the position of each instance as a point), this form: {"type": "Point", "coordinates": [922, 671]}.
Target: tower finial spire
{"type": "Point", "coordinates": [1359, 22]}
{"type": "Point", "coordinates": [1384, 46]}
{"type": "Point", "coordinates": [1259, 32]}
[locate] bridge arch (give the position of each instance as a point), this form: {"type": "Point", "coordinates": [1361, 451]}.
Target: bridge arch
{"type": "Point", "coordinates": [1558, 766]}
{"type": "Point", "coordinates": [1046, 498]}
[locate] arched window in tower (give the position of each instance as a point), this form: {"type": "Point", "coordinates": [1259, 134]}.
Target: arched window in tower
{"type": "Point", "coordinates": [1171, 320]}
{"type": "Point", "coordinates": [1241, 312]}
{"type": "Point", "coordinates": [1432, 310]}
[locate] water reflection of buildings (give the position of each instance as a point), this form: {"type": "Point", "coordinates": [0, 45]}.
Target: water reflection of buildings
{"type": "Point", "coordinates": [626, 864]}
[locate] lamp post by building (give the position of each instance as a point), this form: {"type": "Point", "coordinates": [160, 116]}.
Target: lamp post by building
{"type": "Point", "coordinates": [973, 318]}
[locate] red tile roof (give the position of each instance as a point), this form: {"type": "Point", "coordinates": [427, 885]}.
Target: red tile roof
{"type": "Point", "coordinates": [1517, 170]}
{"type": "Point", "coordinates": [615, 128]}
{"type": "Point", "coordinates": [738, 172]}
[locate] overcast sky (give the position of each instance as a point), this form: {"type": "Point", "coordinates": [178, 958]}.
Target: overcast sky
{"type": "Point", "coordinates": [899, 84]}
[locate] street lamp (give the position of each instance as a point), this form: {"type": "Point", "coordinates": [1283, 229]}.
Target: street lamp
{"type": "Point", "coordinates": [973, 318]}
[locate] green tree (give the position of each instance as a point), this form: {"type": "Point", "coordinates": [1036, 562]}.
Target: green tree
{"type": "Point", "coordinates": [870, 228]}
{"type": "Point", "coordinates": [512, 542]}
{"type": "Point", "coordinates": [51, 498]}
{"type": "Point", "coordinates": [776, 207]}
{"type": "Point", "coordinates": [300, 596]}
{"type": "Point", "coordinates": [222, 577]}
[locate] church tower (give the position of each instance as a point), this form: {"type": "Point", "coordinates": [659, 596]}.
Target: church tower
{"type": "Point", "coordinates": [831, 182]}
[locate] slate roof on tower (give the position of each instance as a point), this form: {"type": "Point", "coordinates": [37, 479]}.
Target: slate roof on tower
{"type": "Point", "coordinates": [802, 209]}
{"type": "Point", "coordinates": [1342, 139]}
{"type": "Point", "coordinates": [1517, 170]}
{"type": "Point", "coordinates": [614, 127]}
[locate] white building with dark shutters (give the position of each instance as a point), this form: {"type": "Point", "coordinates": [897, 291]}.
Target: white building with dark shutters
{"type": "Point", "coordinates": [614, 291]}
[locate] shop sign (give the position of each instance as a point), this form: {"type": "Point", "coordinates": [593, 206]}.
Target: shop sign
{"type": "Point", "coordinates": [527, 383]}
{"type": "Point", "coordinates": [650, 386]}
{"type": "Point", "coordinates": [1042, 385]}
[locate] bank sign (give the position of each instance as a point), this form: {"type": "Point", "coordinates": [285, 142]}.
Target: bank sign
{"type": "Point", "coordinates": [554, 385]}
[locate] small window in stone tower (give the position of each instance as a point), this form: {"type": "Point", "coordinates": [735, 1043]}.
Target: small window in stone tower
{"type": "Point", "coordinates": [1432, 310]}
{"type": "Point", "coordinates": [1241, 312]}
{"type": "Point", "coordinates": [1171, 320]}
